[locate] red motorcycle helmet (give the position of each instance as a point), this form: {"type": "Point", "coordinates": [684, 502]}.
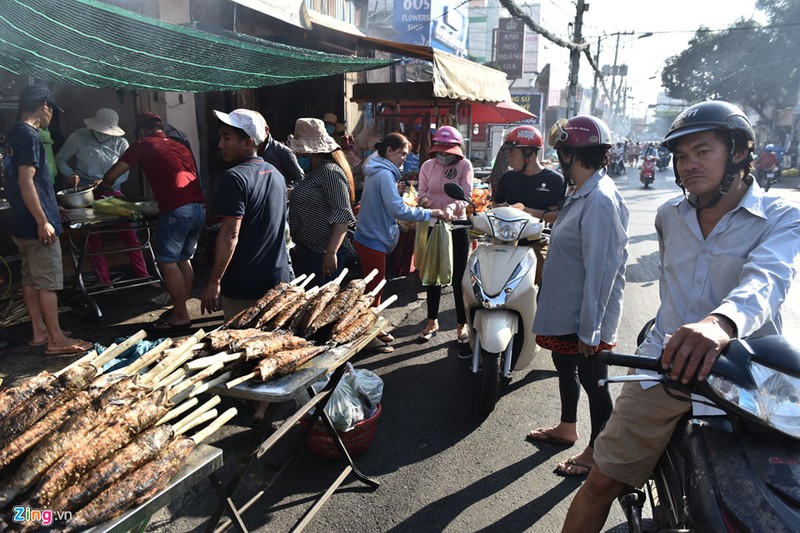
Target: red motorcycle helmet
{"type": "Point", "coordinates": [582, 131]}
{"type": "Point", "coordinates": [524, 136]}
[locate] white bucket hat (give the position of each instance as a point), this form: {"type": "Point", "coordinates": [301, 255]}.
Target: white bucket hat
{"type": "Point", "coordinates": [106, 121]}
{"type": "Point", "coordinates": [253, 124]}
{"type": "Point", "coordinates": [310, 137]}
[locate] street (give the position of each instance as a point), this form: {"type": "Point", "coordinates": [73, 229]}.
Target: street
{"type": "Point", "coordinates": [442, 466]}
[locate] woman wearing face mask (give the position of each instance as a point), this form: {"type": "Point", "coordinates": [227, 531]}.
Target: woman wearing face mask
{"type": "Point", "coordinates": [382, 206]}
{"type": "Point", "coordinates": [320, 206]}
{"type": "Point", "coordinates": [447, 166]}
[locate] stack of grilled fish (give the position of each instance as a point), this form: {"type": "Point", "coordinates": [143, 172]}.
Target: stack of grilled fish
{"type": "Point", "coordinates": [94, 443]}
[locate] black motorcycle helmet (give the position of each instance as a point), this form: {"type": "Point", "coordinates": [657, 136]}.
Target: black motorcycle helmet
{"type": "Point", "coordinates": [714, 115]}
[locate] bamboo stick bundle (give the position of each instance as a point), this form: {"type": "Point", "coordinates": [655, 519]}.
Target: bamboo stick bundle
{"type": "Point", "coordinates": [148, 358]}
{"type": "Point", "coordinates": [177, 358]}
{"type": "Point", "coordinates": [222, 357]}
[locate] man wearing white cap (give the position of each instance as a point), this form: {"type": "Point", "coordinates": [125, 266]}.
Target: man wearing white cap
{"type": "Point", "coordinates": [250, 256]}
{"type": "Point", "coordinates": [93, 150]}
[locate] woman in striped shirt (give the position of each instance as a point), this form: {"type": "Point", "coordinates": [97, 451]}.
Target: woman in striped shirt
{"type": "Point", "coordinates": [320, 207]}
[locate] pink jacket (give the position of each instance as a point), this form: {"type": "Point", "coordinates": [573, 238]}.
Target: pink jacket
{"type": "Point", "coordinates": [432, 177]}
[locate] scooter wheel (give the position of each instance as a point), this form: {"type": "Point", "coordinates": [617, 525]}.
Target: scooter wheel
{"type": "Point", "coordinates": [490, 382]}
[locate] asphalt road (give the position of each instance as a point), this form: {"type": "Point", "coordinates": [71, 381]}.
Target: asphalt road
{"type": "Point", "coordinates": [441, 465]}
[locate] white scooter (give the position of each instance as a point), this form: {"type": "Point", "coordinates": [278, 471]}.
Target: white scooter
{"type": "Point", "coordinates": [499, 296]}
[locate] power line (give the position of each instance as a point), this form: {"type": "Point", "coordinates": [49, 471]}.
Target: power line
{"type": "Point", "coordinates": [708, 30]}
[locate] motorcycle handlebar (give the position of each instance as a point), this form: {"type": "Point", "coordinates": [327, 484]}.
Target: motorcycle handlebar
{"type": "Point", "coordinates": [461, 223]}
{"type": "Point", "coordinates": [634, 361]}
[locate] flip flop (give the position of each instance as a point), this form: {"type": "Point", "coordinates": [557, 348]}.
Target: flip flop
{"type": "Point", "coordinates": [463, 338]}
{"type": "Point", "coordinates": [385, 338]}
{"type": "Point", "coordinates": [425, 335]}
{"type": "Point", "coordinates": [161, 325]}
{"type": "Point", "coordinates": [543, 435]}
{"type": "Point", "coordinates": [573, 468]}
{"type": "Point", "coordinates": [44, 342]}
{"type": "Point", "coordinates": [75, 349]}
{"type": "Point", "coordinates": [378, 346]}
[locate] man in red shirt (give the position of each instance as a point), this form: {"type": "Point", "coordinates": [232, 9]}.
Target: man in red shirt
{"type": "Point", "coordinates": [170, 170]}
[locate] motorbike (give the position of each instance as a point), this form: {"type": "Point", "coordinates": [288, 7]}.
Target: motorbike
{"type": "Point", "coordinates": [767, 177]}
{"type": "Point", "coordinates": [647, 174]}
{"type": "Point", "coordinates": [499, 296]}
{"type": "Point", "coordinates": [664, 157]}
{"type": "Point", "coordinates": [617, 166]}
{"type": "Point", "coordinates": [733, 473]}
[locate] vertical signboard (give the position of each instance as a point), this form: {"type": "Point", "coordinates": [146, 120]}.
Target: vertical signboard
{"type": "Point", "coordinates": [511, 47]}
{"type": "Point", "coordinates": [412, 21]}
{"type": "Point", "coordinates": [449, 27]}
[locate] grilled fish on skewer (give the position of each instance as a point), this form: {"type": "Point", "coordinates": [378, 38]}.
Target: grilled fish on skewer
{"type": "Point", "coordinates": [105, 440]}
{"type": "Point", "coordinates": [261, 347]}
{"type": "Point", "coordinates": [58, 392]}
{"type": "Point", "coordinates": [362, 324]}
{"type": "Point", "coordinates": [143, 483]}
{"type": "Point", "coordinates": [287, 298]}
{"type": "Point", "coordinates": [230, 339]}
{"type": "Point", "coordinates": [145, 447]}
{"type": "Point", "coordinates": [68, 436]}
{"type": "Point", "coordinates": [244, 318]}
{"type": "Point", "coordinates": [13, 396]}
{"type": "Point", "coordinates": [286, 362]}
{"type": "Point", "coordinates": [282, 319]}
{"type": "Point", "coordinates": [363, 303]}
{"type": "Point", "coordinates": [341, 303]}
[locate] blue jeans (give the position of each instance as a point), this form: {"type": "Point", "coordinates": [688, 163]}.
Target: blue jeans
{"type": "Point", "coordinates": [178, 231]}
{"type": "Point", "coordinates": [306, 261]}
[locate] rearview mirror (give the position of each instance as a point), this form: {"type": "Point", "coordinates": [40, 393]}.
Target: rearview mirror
{"type": "Point", "coordinates": [454, 191]}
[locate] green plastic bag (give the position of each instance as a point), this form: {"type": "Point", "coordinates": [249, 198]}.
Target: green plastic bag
{"type": "Point", "coordinates": [420, 245]}
{"type": "Point", "coordinates": [438, 264]}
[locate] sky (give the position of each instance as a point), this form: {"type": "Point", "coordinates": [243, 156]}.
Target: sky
{"type": "Point", "coordinates": [673, 23]}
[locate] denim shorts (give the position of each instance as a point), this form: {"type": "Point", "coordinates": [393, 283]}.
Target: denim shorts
{"type": "Point", "coordinates": [178, 231]}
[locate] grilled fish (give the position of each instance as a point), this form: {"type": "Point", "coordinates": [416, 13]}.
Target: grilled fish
{"type": "Point", "coordinates": [261, 347]}
{"type": "Point", "coordinates": [231, 338]}
{"type": "Point", "coordinates": [362, 304]}
{"type": "Point", "coordinates": [316, 305]}
{"type": "Point", "coordinates": [105, 440]}
{"type": "Point", "coordinates": [277, 305]}
{"type": "Point", "coordinates": [357, 328]}
{"type": "Point", "coordinates": [243, 319]}
{"type": "Point", "coordinates": [139, 486]}
{"type": "Point", "coordinates": [286, 362]}
{"type": "Point", "coordinates": [338, 306]}
{"type": "Point", "coordinates": [282, 319]}
{"type": "Point", "coordinates": [70, 435]}
{"type": "Point", "coordinates": [144, 448]}
{"type": "Point", "coordinates": [57, 393]}
{"type": "Point", "coordinates": [14, 396]}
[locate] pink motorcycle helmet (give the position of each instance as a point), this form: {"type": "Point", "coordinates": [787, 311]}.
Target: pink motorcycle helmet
{"type": "Point", "coordinates": [447, 135]}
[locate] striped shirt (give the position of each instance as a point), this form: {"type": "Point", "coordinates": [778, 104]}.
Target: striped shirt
{"type": "Point", "coordinates": [318, 202]}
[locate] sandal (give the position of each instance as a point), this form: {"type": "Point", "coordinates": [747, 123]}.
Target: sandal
{"type": "Point", "coordinates": [385, 338]}
{"type": "Point", "coordinates": [463, 337]}
{"type": "Point", "coordinates": [573, 468]}
{"type": "Point", "coordinates": [378, 346]}
{"type": "Point", "coordinates": [544, 435]}
{"type": "Point", "coordinates": [426, 334]}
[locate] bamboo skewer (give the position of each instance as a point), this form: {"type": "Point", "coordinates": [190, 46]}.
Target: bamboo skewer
{"type": "Point", "coordinates": [196, 421]}
{"type": "Point", "coordinates": [182, 408]}
{"type": "Point", "coordinates": [190, 382]}
{"type": "Point", "coordinates": [374, 292]}
{"type": "Point", "coordinates": [88, 358]}
{"type": "Point", "coordinates": [110, 353]}
{"type": "Point", "coordinates": [171, 379]}
{"type": "Point", "coordinates": [241, 379]}
{"type": "Point", "coordinates": [203, 387]}
{"type": "Point", "coordinates": [147, 358]}
{"type": "Point", "coordinates": [213, 402]}
{"type": "Point", "coordinates": [179, 356]}
{"type": "Point", "coordinates": [203, 434]}
{"type": "Point", "coordinates": [203, 362]}
{"type": "Point", "coordinates": [197, 346]}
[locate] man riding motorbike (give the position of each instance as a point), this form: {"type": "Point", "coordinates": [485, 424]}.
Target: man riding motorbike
{"type": "Point", "coordinates": [766, 162]}
{"type": "Point", "coordinates": [719, 280]}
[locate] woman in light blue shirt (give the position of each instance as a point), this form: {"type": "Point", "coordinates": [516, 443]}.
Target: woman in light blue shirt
{"type": "Point", "coordinates": [580, 301]}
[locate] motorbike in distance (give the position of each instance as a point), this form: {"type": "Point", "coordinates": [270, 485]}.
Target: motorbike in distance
{"type": "Point", "coordinates": [617, 166]}
{"type": "Point", "coordinates": [499, 296]}
{"type": "Point", "coordinates": [647, 174]}
{"type": "Point", "coordinates": [768, 177]}
{"type": "Point", "coordinates": [664, 157]}
{"type": "Point", "coordinates": [738, 472]}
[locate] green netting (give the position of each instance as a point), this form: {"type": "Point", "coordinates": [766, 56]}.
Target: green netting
{"type": "Point", "coordinates": [89, 43]}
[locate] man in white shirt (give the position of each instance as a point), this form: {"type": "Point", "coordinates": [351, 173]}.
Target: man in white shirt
{"type": "Point", "coordinates": [728, 255]}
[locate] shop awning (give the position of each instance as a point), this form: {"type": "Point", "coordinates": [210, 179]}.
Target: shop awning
{"type": "Point", "coordinates": [93, 44]}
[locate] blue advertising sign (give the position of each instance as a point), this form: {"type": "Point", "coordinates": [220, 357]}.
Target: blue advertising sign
{"type": "Point", "coordinates": [449, 27]}
{"type": "Point", "coordinates": [412, 21]}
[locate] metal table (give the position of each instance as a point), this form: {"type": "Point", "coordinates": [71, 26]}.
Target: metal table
{"type": "Point", "coordinates": [84, 223]}
{"type": "Point", "coordinates": [279, 390]}
{"type": "Point", "coordinates": [201, 464]}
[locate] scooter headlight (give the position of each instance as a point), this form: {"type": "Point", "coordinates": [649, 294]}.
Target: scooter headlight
{"type": "Point", "coordinates": [775, 400]}
{"type": "Point", "coordinates": [507, 230]}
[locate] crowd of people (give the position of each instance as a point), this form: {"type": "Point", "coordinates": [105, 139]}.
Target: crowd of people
{"type": "Point", "coordinates": [728, 252]}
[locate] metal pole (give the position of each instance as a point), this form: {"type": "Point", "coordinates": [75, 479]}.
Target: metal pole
{"type": "Point", "coordinates": [596, 76]}
{"type": "Point", "coordinates": [574, 61]}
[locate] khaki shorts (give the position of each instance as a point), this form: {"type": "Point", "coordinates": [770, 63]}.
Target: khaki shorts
{"type": "Point", "coordinates": [637, 433]}
{"type": "Point", "coordinates": [41, 264]}
{"type": "Point", "coordinates": [233, 306]}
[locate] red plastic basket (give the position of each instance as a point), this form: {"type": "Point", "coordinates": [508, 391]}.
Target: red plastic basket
{"type": "Point", "coordinates": [356, 441]}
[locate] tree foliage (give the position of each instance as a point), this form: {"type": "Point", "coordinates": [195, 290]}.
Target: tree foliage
{"type": "Point", "coordinates": [748, 64]}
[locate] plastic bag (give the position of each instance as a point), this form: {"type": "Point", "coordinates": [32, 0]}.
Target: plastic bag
{"type": "Point", "coordinates": [369, 387]}
{"type": "Point", "coordinates": [420, 245]}
{"type": "Point", "coordinates": [438, 263]}
{"type": "Point", "coordinates": [344, 408]}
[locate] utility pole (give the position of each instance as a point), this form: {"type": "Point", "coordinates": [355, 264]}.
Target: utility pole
{"type": "Point", "coordinates": [574, 60]}
{"type": "Point", "coordinates": [596, 76]}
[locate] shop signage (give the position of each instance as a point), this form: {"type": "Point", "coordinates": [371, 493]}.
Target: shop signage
{"type": "Point", "coordinates": [533, 103]}
{"type": "Point", "coordinates": [510, 50]}
{"type": "Point", "coordinates": [412, 21]}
